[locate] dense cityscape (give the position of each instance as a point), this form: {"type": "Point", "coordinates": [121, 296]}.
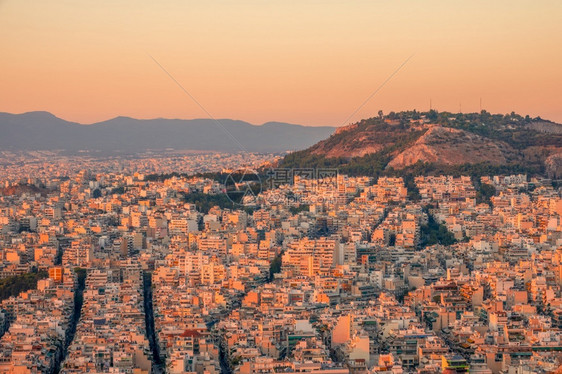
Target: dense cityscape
{"type": "Point", "coordinates": [109, 270]}
{"type": "Point", "coordinates": [281, 187]}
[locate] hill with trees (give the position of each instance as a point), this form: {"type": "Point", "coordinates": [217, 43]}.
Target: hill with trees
{"type": "Point", "coordinates": [414, 143]}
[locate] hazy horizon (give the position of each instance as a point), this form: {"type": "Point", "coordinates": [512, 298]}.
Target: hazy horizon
{"type": "Point", "coordinates": [237, 119]}
{"type": "Point", "coordinates": [310, 63]}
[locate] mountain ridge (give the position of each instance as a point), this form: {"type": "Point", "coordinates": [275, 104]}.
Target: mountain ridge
{"type": "Point", "coordinates": [40, 130]}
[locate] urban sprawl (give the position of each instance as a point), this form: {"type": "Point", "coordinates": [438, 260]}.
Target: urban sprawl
{"type": "Point", "coordinates": [353, 275]}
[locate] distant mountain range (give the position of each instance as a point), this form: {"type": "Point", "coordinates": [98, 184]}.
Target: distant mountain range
{"type": "Point", "coordinates": [44, 131]}
{"type": "Point", "coordinates": [411, 142]}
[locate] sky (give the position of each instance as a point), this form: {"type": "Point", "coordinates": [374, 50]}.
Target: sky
{"type": "Point", "coordinates": [306, 62]}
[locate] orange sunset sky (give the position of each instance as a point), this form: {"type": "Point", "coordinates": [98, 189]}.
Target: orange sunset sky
{"type": "Point", "coordinates": [307, 62]}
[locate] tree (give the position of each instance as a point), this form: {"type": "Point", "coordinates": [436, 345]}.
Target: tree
{"type": "Point", "coordinates": [96, 194]}
{"type": "Point", "coordinates": [432, 115]}
{"type": "Point", "coordinates": [381, 114]}
{"type": "Point", "coordinates": [435, 233]}
{"type": "Point", "coordinates": [275, 266]}
{"type": "Point", "coordinates": [13, 285]}
{"type": "Point", "coordinates": [485, 192]}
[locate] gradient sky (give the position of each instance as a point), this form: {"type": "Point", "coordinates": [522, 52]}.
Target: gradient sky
{"type": "Point", "coordinates": [307, 62]}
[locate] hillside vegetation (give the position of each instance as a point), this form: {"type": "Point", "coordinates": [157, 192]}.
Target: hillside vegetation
{"type": "Point", "coordinates": [431, 142]}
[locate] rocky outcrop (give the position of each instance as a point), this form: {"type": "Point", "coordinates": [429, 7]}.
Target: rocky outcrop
{"type": "Point", "coordinates": [553, 165]}
{"type": "Point", "coordinates": [452, 147]}
{"type": "Point", "coordinates": [362, 139]}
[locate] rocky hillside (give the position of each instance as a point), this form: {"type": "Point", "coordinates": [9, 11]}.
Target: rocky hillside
{"type": "Point", "coordinates": [451, 146]}
{"type": "Point", "coordinates": [416, 142]}
{"type": "Point", "coordinates": [554, 165]}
